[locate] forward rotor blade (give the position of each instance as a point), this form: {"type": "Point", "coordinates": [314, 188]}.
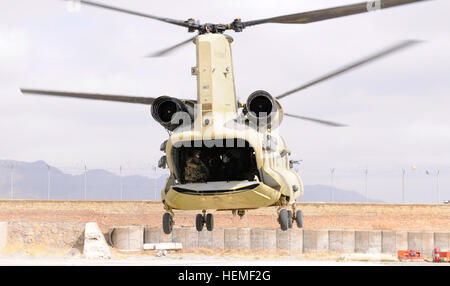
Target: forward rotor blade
{"type": "Point", "coordinates": [385, 52]}
{"type": "Point", "coordinates": [324, 122]}
{"type": "Point", "coordinates": [94, 96]}
{"type": "Point", "coordinates": [170, 49]}
{"type": "Point", "coordinates": [330, 13]}
{"type": "Point", "coordinates": [162, 19]}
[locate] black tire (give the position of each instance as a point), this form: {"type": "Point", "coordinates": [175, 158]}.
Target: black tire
{"type": "Point", "coordinates": [290, 220]}
{"type": "Point", "coordinates": [209, 222]}
{"type": "Point", "coordinates": [283, 219]}
{"type": "Point", "coordinates": [199, 222]}
{"type": "Point", "coordinates": [167, 223]}
{"type": "Point", "coordinates": [299, 219]}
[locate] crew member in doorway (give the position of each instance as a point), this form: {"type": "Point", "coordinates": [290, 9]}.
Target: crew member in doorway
{"type": "Point", "coordinates": [195, 170]}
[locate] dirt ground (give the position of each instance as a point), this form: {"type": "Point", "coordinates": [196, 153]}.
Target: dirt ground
{"type": "Point", "coordinates": [44, 255]}
{"type": "Point", "coordinates": [356, 216]}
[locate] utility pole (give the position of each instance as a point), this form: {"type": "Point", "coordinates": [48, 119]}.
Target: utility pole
{"type": "Point", "coordinates": [332, 184]}
{"type": "Point", "coordinates": [437, 185]}
{"type": "Point", "coordinates": [48, 182]}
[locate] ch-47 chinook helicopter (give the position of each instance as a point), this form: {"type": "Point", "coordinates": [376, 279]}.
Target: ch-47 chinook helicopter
{"type": "Point", "coordinates": [246, 163]}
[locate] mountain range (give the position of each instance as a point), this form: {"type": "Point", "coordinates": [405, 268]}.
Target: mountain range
{"type": "Point", "coordinates": [37, 180]}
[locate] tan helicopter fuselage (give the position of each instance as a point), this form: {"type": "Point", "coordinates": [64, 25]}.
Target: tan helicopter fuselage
{"type": "Point", "coordinates": [215, 123]}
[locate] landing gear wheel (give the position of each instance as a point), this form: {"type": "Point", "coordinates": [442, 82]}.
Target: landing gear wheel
{"type": "Point", "coordinates": [209, 222]}
{"type": "Point", "coordinates": [299, 219]}
{"type": "Point", "coordinates": [283, 219]}
{"type": "Point", "coordinates": [199, 222]}
{"type": "Point", "coordinates": [167, 223]}
{"type": "Point", "coordinates": [290, 219]}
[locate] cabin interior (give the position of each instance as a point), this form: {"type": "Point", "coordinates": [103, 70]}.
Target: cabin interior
{"type": "Point", "coordinates": [225, 160]}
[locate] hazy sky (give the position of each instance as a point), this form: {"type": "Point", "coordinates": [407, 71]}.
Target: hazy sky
{"type": "Point", "coordinates": [397, 108]}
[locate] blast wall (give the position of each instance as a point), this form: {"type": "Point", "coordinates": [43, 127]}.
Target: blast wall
{"type": "Point", "coordinates": [133, 238]}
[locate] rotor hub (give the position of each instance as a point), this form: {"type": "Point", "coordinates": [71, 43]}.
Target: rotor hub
{"type": "Point", "coordinates": [193, 26]}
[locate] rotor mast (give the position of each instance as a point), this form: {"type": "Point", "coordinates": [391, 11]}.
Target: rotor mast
{"type": "Point", "coordinates": [214, 70]}
{"type": "Point", "coordinates": [215, 79]}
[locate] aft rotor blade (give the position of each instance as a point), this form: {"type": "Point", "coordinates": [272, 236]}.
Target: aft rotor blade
{"type": "Point", "coordinates": [320, 121]}
{"type": "Point", "coordinates": [170, 49]}
{"type": "Point", "coordinates": [330, 13]}
{"type": "Point", "coordinates": [385, 52]}
{"type": "Point", "coordinates": [117, 9]}
{"type": "Point", "coordinates": [94, 96]}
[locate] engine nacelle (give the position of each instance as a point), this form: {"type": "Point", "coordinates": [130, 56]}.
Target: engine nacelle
{"type": "Point", "coordinates": [165, 107]}
{"type": "Point", "coordinates": [263, 111]}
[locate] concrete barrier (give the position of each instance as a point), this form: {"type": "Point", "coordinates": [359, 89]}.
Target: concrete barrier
{"type": "Point", "coordinates": [244, 238]}
{"type": "Point", "coordinates": [315, 241]}
{"type": "Point", "coordinates": [163, 246]}
{"type": "Point", "coordinates": [388, 241]}
{"type": "Point", "coordinates": [165, 237]}
{"type": "Point", "coordinates": [231, 238]}
{"type": "Point", "coordinates": [341, 240]}
{"type": "Point", "coordinates": [134, 237]}
{"type": "Point", "coordinates": [95, 246]}
{"type": "Point", "coordinates": [128, 238]}
{"type": "Point", "coordinates": [415, 240]}
{"type": "Point", "coordinates": [179, 235]}
{"type": "Point", "coordinates": [257, 239]}
{"type": "Point", "coordinates": [218, 238]}
{"type": "Point", "coordinates": [428, 243]}
{"type": "Point", "coordinates": [401, 240]}
{"type": "Point", "coordinates": [422, 241]}
{"type": "Point", "coordinates": [291, 239]}
{"type": "Point", "coordinates": [191, 238]}
{"type": "Point", "coordinates": [344, 241]}
{"type": "Point", "coordinates": [269, 239]}
{"type": "Point", "coordinates": [152, 235]}
{"type": "Point", "coordinates": [283, 239]}
{"type": "Point", "coordinates": [368, 241]}
{"type": "Point", "coordinates": [442, 241]}
{"type": "Point", "coordinates": [205, 239]}
{"type": "Point", "coordinates": [3, 235]}
{"type": "Point", "coordinates": [296, 239]}
{"type": "Point", "coordinates": [375, 241]}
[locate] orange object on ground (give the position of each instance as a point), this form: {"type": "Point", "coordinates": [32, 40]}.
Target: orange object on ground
{"type": "Point", "coordinates": [412, 255]}
{"type": "Point", "coordinates": [441, 256]}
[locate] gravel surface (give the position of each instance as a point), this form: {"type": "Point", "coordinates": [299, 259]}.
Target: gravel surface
{"type": "Point", "coordinates": [193, 261]}
{"type": "Point", "coordinates": [355, 216]}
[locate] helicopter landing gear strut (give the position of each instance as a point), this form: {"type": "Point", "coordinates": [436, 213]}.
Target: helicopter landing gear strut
{"type": "Point", "coordinates": [286, 218]}
{"type": "Point", "coordinates": [202, 219]}
{"type": "Point", "coordinates": [240, 213]}
{"type": "Point", "coordinates": [297, 217]}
